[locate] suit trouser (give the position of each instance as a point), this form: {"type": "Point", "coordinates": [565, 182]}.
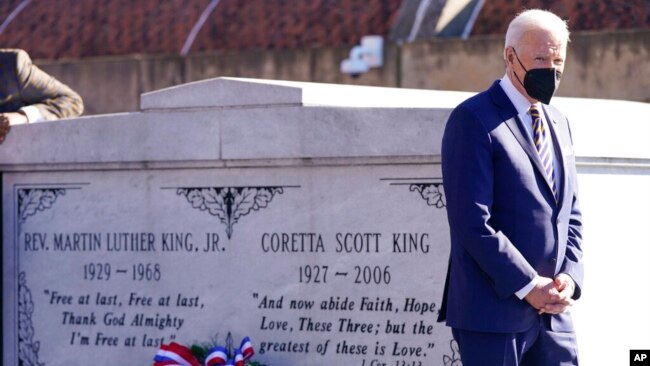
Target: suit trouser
{"type": "Point", "coordinates": [538, 346]}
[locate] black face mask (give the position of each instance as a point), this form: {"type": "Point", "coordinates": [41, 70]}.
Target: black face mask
{"type": "Point", "coordinates": [540, 84]}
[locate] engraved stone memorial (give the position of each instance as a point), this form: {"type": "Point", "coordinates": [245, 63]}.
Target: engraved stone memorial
{"type": "Point", "coordinates": [309, 217]}
{"type": "Point", "coordinates": [233, 206]}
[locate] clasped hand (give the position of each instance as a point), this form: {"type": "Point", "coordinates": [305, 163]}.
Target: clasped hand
{"type": "Point", "coordinates": [552, 296]}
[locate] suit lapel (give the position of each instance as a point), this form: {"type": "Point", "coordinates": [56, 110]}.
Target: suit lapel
{"type": "Point", "coordinates": [509, 114]}
{"type": "Point", "coordinates": [515, 125]}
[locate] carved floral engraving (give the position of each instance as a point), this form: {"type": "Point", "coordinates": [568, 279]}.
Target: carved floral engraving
{"type": "Point", "coordinates": [454, 359]}
{"type": "Point", "coordinates": [430, 189]}
{"type": "Point", "coordinates": [33, 200]}
{"type": "Point", "coordinates": [431, 192]}
{"type": "Point", "coordinates": [229, 204]}
{"type": "Point", "coordinates": [30, 201]}
{"type": "Point", "coordinates": [27, 346]}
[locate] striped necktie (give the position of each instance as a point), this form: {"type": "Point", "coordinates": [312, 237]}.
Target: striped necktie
{"type": "Point", "coordinates": [542, 143]}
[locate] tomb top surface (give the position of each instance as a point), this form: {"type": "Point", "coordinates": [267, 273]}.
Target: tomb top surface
{"type": "Point", "coordinates": [227, 92]}
{"type": "Point", "coordinates": [228, 119]}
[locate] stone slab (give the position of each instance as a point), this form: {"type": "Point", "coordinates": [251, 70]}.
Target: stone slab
{"type": "Point", "coordinates": [317, 265]}
{"type": "Point", "coordinates": [238, 92]}
{"type": "Point", "coordinates": [115, 138]}
{"type": "Point", "coordinates": [608, 128]}
{"type": "Point", "coordinates": [348, 160]}
{"type": "Point", "coordinates": [614, 203]}
{"type": "Point", "coordinates": [325, 132]}
{"type": "Point", "coordinates": [311, 121]}
{"type": "Point", "coordinates": [220, 92]}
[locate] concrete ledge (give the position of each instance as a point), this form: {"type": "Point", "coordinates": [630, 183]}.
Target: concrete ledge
{"type": "Point", "coordinates": [242, 119]}
{"type": "Point", "coordinates": [131, 137]}
{"type": "Point", "coordinates": [221, 92]}
{"type": "Point", "coordinates": [237, 92]}
{"type": "Point", "coordinates": [325, 132]}
{"type": "Point", "coordinates": [603, 128]}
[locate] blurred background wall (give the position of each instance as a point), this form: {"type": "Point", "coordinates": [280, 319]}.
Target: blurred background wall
{"type": "Point", "coordinates": [111, 51]}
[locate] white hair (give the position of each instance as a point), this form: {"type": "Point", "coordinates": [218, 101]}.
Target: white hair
{"type": "Point", "coordinates": [535, 19]}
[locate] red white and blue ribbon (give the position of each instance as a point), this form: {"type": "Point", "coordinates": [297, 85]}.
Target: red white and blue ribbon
{"type": "Point", "coordinates": [216, 356]}
{"type": "Point", "coordinates": [175, 354]}
{"type": "Point", "coordinates": [239, 359]}
{"type": "Point", "coordinates": [246, 348]}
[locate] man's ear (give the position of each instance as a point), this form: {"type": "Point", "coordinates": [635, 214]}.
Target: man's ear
{"type": "Point", "coordinates": [509, 55]}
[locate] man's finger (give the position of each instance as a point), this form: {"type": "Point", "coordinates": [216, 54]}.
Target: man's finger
{"type": "Point", "coordinates": [4, 127]}
{"type": "Point", "coordinates": [557, 308]}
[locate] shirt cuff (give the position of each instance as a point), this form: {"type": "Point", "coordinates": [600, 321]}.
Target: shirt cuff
{"type": "Point", "coordinates": [33, 114]}
{"type": "Point", "coordinates": [526, 289]}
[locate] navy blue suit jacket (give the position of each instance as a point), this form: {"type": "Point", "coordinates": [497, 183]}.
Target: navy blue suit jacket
{"type": "Point", "coordinates": [505, 223]}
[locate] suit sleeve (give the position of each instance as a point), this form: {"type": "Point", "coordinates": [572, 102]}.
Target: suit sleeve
{"type": "Point", "coordinates": [52, 98]}
{"type": "Point", "coordinates": [468, 175]}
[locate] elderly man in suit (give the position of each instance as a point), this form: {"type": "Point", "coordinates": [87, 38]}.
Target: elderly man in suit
{"type": "Point", "coordinates": [28, 94]}
{"type": "Point", "coordinates": [509, 175]}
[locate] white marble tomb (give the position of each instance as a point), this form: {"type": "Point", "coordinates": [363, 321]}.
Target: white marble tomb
{"type": "Point", "coordinates": [307, 216]}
